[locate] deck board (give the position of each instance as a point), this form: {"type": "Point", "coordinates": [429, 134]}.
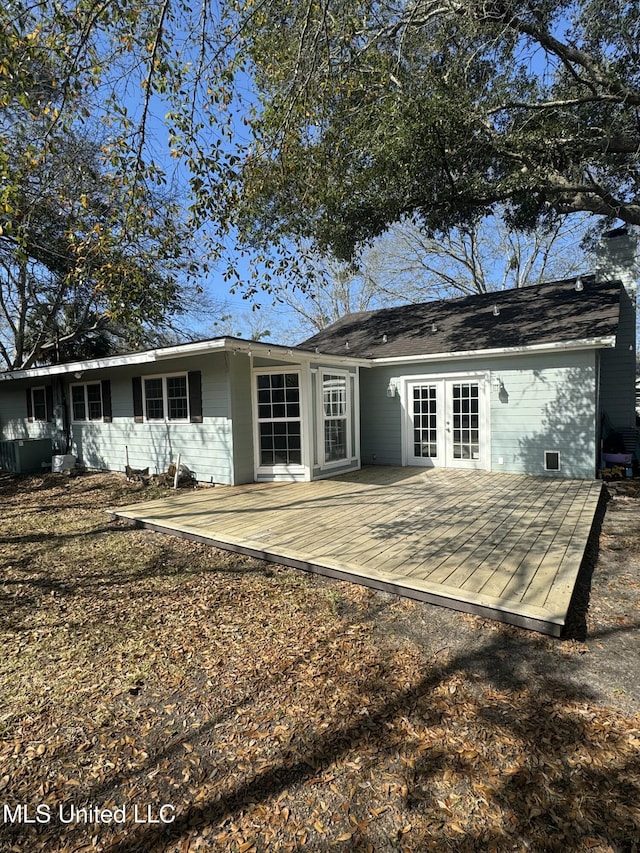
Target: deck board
{"type": "Point", "coordinates": [503, 545]}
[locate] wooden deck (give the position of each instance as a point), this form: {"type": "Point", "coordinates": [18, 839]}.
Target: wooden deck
{"type": "Point", "coordinates": [505, 546]}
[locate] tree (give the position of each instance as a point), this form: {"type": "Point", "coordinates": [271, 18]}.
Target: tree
{"type": "Point", "coordinates": [441, 111]}
{"type": "Point", "coordinates": [332, 288]}
{"type": "Point", "coordinates": [89, 262]}
{"type": "Point", "coordinates": [405, 266]}
{"type": "Point", "coordinates": [82, 272]}
{"type": "Point", "coordinates": [409, 266]}
{"type": "Point", "coordinates": [73, 281]}
{"type": "Point", "coordinates": [330, 120]}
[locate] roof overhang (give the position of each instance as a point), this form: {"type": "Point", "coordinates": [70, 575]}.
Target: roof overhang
{"type": "Point", "coordinates": [556, 346]}
{"type": "Point", "coordinates": [234, 345]}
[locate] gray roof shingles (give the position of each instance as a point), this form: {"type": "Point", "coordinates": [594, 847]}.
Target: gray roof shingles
{"type": "Point", "coordinates": [540, 314]}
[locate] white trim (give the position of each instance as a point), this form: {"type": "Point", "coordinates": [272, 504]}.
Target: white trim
{"type": "Point", "coordinates": [86, 419]}
{"type": "Point", "coordinates": [236, 345]}
{"type": "Point", "coordinates": [591, 343]}
{"type": "Point", "coordinates": [349, 459]}
{"type": "Point", "coordinates": [356, 416]}
{"type": "Point", "coordinates": [165, 399]}
{"type": "Point", "coordinates": [306, 410]}
{"type": "Point", "coordinates": [287, 471]}
{"type": "Point", "coordinates": [556, 453]}
{"type": "Point", "coordinates": [283, 353]}
{"type": "Point", "coordinates": [442, 380]}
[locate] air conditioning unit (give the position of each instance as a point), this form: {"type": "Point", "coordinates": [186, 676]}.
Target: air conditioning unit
{"type": "Point", "coordinates": [25, 455]}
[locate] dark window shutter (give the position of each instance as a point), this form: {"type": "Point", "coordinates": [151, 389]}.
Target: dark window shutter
{"type": "Point", "coordinates": [138, 411]}
{"type": "Point", "coordinates": [195, 396]}
{"type": "Point", "coordinates": [48, 396]}
{"type": "Point", "coordinates": [106, 400]}
{"type": "Point", "coordinates": [29, 405]}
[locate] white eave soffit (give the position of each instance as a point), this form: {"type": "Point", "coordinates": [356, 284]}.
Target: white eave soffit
{"type": "Point", "coordinates": [275, 351]}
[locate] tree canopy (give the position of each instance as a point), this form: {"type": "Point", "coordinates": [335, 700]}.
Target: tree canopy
{"type": "Point", "coordinates": [441, 110]}
{"type": "Point", "coordinates": [329, 120]}
{"type": "Point", "coordinates": [89, 259]}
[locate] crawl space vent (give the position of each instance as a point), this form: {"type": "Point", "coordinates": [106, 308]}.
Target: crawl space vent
{"type": "Point", "coordinates": [551, 460]}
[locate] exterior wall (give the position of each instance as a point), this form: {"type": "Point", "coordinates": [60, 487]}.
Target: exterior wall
{"type": "Point", "coordinates": [15, 425]}
{"type": "Point", "coordinates": [205, 448]}
{"type": "Point", "coordinates": [618, 371]}
{"type": "Point", "coordinates": [219, 450]}
{"type": "Point", "coordinates": [547, 403]}
{"type": "Point", "coordinates": [13, 414]}
{"type": "Point", "coordinates": [241, 417]}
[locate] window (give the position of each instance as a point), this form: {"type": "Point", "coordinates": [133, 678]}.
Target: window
{"type": "Point", "coordinates": [166, 398]}
{"type": "Point", "coordinates": [279, 424]}
{"type": "Point", "coordinates": [39, 404]}
{"type": "Point", "coordinates": [86, 402]}
{"type": "Point", "coordinates": [335, 416]}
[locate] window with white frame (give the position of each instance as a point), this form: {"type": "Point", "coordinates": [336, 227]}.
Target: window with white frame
{"type": "Point", "coordinates": [279, 421]}
{"type": "Point", "coordinates": [39, 404]}
{"type": "Point", "coordinates": [86, 401]}
{"type": "Point", "coordinates": [335, 416]}
{"type": "Point", "coordinates": [166, 398]}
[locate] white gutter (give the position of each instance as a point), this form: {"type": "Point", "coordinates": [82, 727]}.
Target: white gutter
{"type": "Point", "coordinates": [79, 366]}
{"type": "Point", "coordinates": [276, 351]}
{"type": "Point", "coordinates": [587, 343]}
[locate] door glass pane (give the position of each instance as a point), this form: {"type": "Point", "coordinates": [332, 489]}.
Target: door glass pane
{"type": "Point", "coordinates": [425, 435]}
{"type": "Point", "coordinates": [335, 412]}
{"type": "Point", "coordinates": [465, 421]}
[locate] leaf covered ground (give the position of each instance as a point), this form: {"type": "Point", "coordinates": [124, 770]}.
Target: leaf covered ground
{"type": "Point", "coordinates": [269, 710]}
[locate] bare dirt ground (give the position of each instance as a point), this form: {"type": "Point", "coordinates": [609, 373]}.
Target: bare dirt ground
{"type": "Point", "coordinates": [269, 710]}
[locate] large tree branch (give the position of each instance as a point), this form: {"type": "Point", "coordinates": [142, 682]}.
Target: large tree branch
{"type": "Point", "coordinates": [560, 103]}
{"type": "Point", "coordinates": [573, 198]}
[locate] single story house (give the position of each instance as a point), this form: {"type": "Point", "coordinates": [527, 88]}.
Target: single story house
{"type": "Point", "coordinates": [525, 380]}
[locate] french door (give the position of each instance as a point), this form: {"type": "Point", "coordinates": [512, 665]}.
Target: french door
{"type": "Point", "coordinates": [446, 423]}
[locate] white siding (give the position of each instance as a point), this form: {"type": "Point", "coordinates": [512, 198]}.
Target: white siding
{"type": "Point", "coordinates": [548, 403]}
{"type": "Point", "coordinates": [205, 448]}
{"type": "Point", "coordinates": [13, 414]}
{"type": "Point", "coordinates": [240, 392]}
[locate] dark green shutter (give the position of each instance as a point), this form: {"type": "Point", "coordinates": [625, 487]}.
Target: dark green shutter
{"type": "Point", "coordinates": [195, 396]}
{"type": "Point", "coordinates": [138, 410]}
{"type": "Point", "coordinates": [106, 400]}
{"type": "Point", "coordinates": [48, 397]}
{"type": "Point", "coordinates": [29, 405]}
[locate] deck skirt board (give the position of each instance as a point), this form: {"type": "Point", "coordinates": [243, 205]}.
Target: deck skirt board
{"type": "Point", "coordinates": [505, 546]}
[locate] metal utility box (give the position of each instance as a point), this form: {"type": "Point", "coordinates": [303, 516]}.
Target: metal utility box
{"type": "Point", "coordinates": [25, 455]}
